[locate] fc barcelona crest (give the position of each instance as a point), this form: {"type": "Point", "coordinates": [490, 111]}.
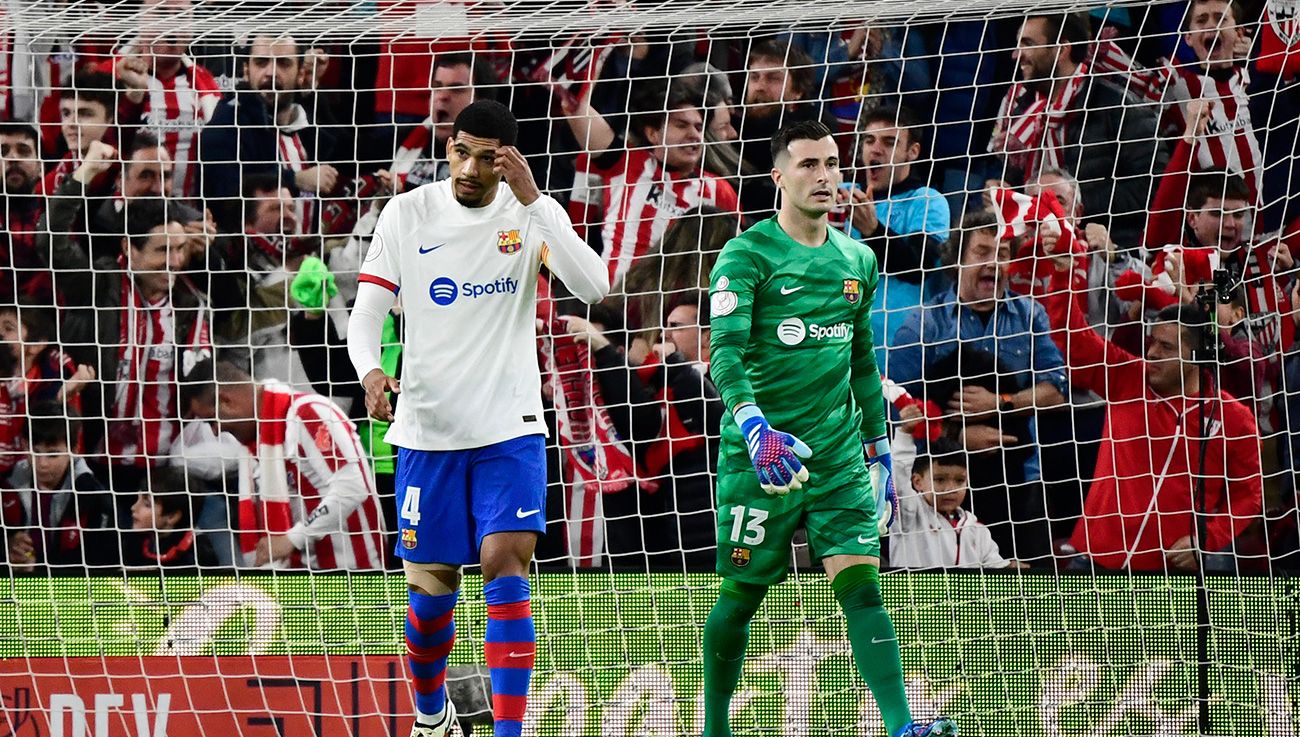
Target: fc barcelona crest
{"type": "Point", "coordinates": [740, 557]}
{"type": "Point", "coordinates": [508, 241]}
{"type": "Point", "coordinates": [852, 290]}
{"type": "Point", "coordinates": [408, 539]}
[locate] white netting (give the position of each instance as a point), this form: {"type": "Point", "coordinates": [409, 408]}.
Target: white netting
{"type": "Point", "coordinates": [268, 136]}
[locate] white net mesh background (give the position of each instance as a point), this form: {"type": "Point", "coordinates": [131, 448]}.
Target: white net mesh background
{"type": "Point", "coordinates": [200, 518]}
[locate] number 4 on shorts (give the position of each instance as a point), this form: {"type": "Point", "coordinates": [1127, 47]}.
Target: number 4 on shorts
{"type": "Point", "coordinates": [411, 505]}
{"type": "Point", "coordinates": [749, 532]}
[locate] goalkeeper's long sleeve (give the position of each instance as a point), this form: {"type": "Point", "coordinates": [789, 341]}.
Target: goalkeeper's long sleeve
{"type": "Point", "coordinates": [864, 380]}
{"type": "Point", "coordinates": [568, 256]}
{"type": "Point", "coordinates": [366, 324]}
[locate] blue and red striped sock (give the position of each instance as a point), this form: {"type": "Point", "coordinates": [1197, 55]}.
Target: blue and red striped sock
{"type": "Point", "coordinates": [430, 635]}
{"type": "Point", "coordinates": [510, 646]}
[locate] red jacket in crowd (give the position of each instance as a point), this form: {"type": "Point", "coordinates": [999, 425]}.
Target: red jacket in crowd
{"type": "Point", "coordinates": [1144, 489]}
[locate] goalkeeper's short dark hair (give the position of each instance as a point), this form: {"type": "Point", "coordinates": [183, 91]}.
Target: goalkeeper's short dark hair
{"type": "Point", "coordinates": [804, 130]}
{"type": "Point", "coordinates": [940, 452]}
{"type": "Point", "coordinates": [487, 119]}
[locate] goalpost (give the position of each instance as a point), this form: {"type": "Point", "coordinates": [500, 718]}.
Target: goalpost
{"type": "Point", "coordinates": [624, 578]}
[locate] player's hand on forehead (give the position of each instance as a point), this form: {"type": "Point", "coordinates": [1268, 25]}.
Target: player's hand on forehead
{"type": "Point", "coordinates": [511, 166]}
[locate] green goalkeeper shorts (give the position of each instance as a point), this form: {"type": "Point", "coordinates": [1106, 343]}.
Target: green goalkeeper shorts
{"type": "Point", "coordinates": [755, 529]}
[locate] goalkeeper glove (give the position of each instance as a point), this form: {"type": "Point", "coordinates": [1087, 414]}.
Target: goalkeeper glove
{"type": "Point", "coordinates": [880, 464]}
{"type": "Point", "coordinates": [775, 454]}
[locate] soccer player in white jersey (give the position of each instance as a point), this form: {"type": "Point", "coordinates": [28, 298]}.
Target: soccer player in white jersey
{"type": "Point", "coordinates": [464, 253]}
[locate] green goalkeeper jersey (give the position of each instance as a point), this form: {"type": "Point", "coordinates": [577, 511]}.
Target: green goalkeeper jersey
{"type": "Point", "coordinates": [791, 332]}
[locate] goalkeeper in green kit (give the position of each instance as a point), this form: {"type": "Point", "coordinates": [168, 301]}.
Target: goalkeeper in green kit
{"type": "Point", "coordinates": [792, 356]}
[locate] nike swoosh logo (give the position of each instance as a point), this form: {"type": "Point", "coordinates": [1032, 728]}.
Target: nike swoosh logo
{"type": "Point", "coordinates": [431, 249]}
{"type": "Point", "coordinates": [514, 654]}
{"type": "Point", "coordinates": [877, 640]}
{"type": "Point", "coordinates": [790, 290]}
{"type": "Point", "coordinates": [520, 513]}
{"type": "Point", "coordinates": [863, 540]}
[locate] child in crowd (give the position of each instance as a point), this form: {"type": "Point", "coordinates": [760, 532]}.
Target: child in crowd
{"type": "Point", "coordinates": [933, 531]}
{"type": "Point", "coordinates": [163, 520]}
{"type": "Point", "coordinates": [56, 513]}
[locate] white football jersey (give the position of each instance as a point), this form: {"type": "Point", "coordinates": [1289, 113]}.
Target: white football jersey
{"type": "Point", "coordinates": [467, 280]}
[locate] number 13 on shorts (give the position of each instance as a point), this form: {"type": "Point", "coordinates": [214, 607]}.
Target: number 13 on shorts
{"type": "Point", "coordinates": [747, 525]}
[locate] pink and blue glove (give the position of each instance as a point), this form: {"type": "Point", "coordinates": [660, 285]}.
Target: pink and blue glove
{"type": "Point", "coordinates": [775, 454]}
{"type": "Point", "coordinates": [880, 464]}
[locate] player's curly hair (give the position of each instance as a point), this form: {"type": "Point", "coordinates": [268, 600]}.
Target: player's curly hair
{"type": "Point", "coordinates": [487, 119]}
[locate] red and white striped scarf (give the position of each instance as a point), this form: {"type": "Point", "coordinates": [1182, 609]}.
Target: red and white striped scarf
{"type": "Point", "coordinates": [595, 460]}
{"type": "Point", "coordinates": [145, 419]}
{"type": "Point", "coordinates": [1036, 133]}
{"type": "Point", "coordinates": [1032, 268]}
{"type": "Point", "coordinates": [264, 502]}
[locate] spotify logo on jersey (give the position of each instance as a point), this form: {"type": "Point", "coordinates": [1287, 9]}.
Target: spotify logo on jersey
{"type": "Point", "coordinates": [443, 291]}
{"type": "Point", "coordinates": [791, 331]}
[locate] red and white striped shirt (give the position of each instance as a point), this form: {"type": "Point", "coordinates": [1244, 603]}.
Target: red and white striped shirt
{"type": "Point", "coordinates": [1230, 142]}
{"type": "Point", "coordinates": [635, 199]}
{"type": "Point", "coordinates": [144, 420]}
{"type": "Point", "coordinates": [175, 110]}
{"type": "Point", "coordinates": [314, 484]}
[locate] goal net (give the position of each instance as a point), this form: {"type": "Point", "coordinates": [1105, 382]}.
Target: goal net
{"type": "Point", "coordinates": [1082, 232]}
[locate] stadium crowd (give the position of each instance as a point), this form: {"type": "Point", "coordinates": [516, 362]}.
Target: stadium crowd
{"type": "Point", "coordinates": [1049, 198]}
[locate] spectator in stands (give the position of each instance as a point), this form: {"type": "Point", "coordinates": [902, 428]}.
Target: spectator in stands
{"type": "Point", "coordinates": [163, 520]}
{"type": "Point", "coordinates": [1168, 426]}
{"type": "Point", "coordinates": [1247, 363]}
{"type": "Point", "coordinates": [21, 270]}
{"type": "Point", "coordinates": [1215, 75]}
{"type": "Point", "coordinates": [1060, 115]}
{"type": "Point", "coordinates": [88, 111]}
{"type": "Point", "coordinates": [147, 171]}
{"type": "Point", "coordinates": [679, 266]}
{"type": "Point", "coordinates": [458, 80]}
{"type": "Point", "coordinates": [261, 129]}
{"type": "Point", "coordinates": [904, 221]}
{"type": "Point", "coordinates": [166, 92]}
{"type": "Point", "coordinates": [778, 91]}
{"type": "Point", "coordinates": [13, 402]}
{"type": "Point", "coordinates": [1202, 222]}
{"type": "Point", "coordinates": [669, 411]}
{"type": "Point", "coordinates": [933, 531]}
{"type": "Point", "coordinates": [1100, 261]}
{"type": "Point", "coordinates": [983, 354]}
{"type": "Point", "coordinates": [701, 81]}
{"type": "Point", "coordinates": [135, 323]}
{"type": "Point", "coordinates": [268, 255]}
{"type": "Point", "coordinates": [310, 502]}
{"type": "Point", "coordinates": [46, 372]}
{"type": "Point", "coordinates": [56, 513]}
{"type": "Point", "coordinates": [629, 194]}
{"type": "Point", "coordinates": [1068, 450]}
